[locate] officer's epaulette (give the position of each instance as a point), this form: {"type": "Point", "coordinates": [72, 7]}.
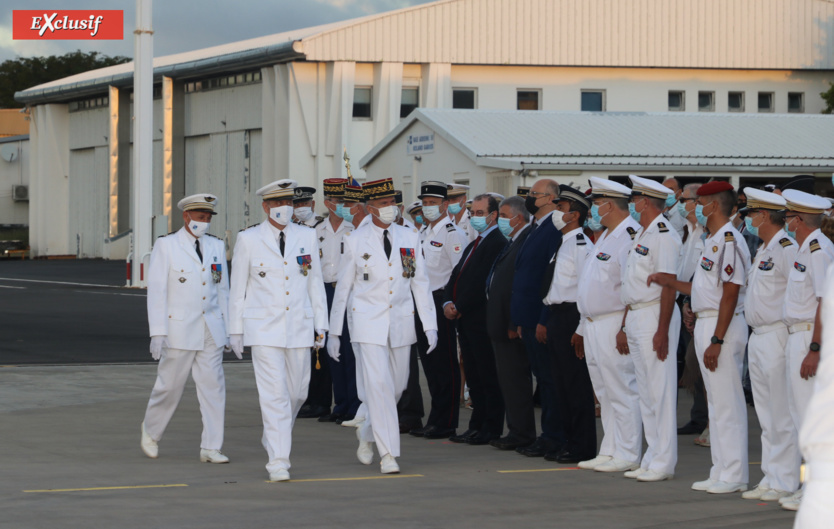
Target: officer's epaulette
{"type": "Point", "coordinates": [728, 236]}
{"type": "Point", "coordinates": [631, 231]}
{"type": "Point", "coordinates": [450, 226]}
{"type": "Point", "coordinates": [661, 227]}
{"type": "Point", "coordinates": [248, 227]}
{"type": "Point", "coordinates": [214, 236]}
{"type": "Point", "coordinates": [580, 240]}
{"type": "Point", "coordinates": [815, 245]}
{"type": "Point", "coordinates": [784, 241]}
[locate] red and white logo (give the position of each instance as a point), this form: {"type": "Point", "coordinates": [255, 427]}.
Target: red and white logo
{"type": "Point", "coordinates": [98, 24]}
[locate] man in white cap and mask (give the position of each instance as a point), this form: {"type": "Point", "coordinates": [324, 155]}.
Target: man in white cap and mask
{"type": "Point", "coordinates": [188, 296]}
{"type": "Point", "coordinates": [278, 306]}
{"type": "Point", "coordinates": [458, 211]}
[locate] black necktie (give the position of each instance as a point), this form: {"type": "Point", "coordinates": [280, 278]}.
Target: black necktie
{"type": "Point", "coordinates": [281, 243]}
{"type": "Point", "coordinates": [199, 253]}
{"type": "Point", "coordinates": [386, 244]}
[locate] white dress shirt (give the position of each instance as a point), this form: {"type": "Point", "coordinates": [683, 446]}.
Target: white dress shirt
{"type": "Point", "coordinates": [570, 260]}
{"type": "Point", "coordinates": [725, 259]}
{"type": "Point", "coordinates": [768, 279]}
{"type": "Point", "coordinates": [806, 281]}
{"type": "Point", "coordinates": [443, 246]}
{"type": "Point", "coordinates": [654, 250]}
{"type": "Point", "coordinates": [691, 252]}
{"type": "Point", "coordinates": [331, 247]}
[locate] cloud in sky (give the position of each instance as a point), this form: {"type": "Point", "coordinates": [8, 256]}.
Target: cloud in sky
{"type": "Point", "coordinates": [185, 25]}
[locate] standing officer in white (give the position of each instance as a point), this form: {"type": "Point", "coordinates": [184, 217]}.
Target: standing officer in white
{"type": "Point", "coordinates": [188, 299]}
{"type": "Point", "coordinates": [766, 284]}
{"type": "Point", "coordinates": [277, 305]}
{"type": "Point", "coordinates": [652, 327]}
{"type": "Point", "coordinates": [801, 312]}
{"type": "Point", "coordinates": [602, 310]}
{"type": "Point", "coordinates": [720, 335]}
{"type": "Point", "coordinates": [458, 211]}
{"type": "Point", "coordinates": [381, 269]}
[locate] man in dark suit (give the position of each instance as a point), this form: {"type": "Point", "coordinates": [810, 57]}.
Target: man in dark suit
{"type": "Point", "coordinates": [529, 313]}
{"type": "Point", "coordinates": [512, 364]}
{"type": "Point", "coordinates": [465, 301]}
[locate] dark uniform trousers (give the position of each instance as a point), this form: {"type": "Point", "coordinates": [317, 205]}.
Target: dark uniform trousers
{"type": "Point", "coordinates": [442, 369]}
{"type": "Point", "coordinates": [481, 374]}
{"type": "Point", "coordinates": [572, 383]}
{"type": "Point", "coordinates": [410, 407]}
{"type": "Point", "coordinates": [343, 372]}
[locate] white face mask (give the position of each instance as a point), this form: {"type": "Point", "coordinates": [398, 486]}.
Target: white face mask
{"type": "Point", "coordinates": [432, 213]}
{"type": "Point", "coordinates": [556, 217]}
{"type": "Point", "coordinates": [282, 214]}
{"type": "Point", "coordinates": [304, 213]}
{"type": "Point", "coordinates": [387, 215]}
{"type": "Point", "coordinates": [198, 229]}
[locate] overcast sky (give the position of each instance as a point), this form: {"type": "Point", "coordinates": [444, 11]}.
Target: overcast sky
{"type": "Point", "coordinates": [184, 25]}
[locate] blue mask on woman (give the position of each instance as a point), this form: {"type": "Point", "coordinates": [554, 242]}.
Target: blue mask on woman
{"type": "Point", "coordinates": [752, 230]}
{"type": "Point", "coordinates": [699, 214]}
{"type": "Point", "coordinates": [670, 200]}
{"type": "Point", "coordinates": [633, 212]}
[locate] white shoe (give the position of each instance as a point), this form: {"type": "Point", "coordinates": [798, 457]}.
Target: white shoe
{"type": "Point", "coordinates": [651, 476]}
{"type": "Point", "coordinates": [149, 446]}
{"type": "Point", "coordinates": [704, 485]}
{"type": "Point", "coordinates": [632, 474]}
{"type": "Point", "coordinates": [774, 494]}
{"type": "Point", "coordinates": [703, 439]}
{"type": "Point", "coordinates": [280, 475]}
{"type": "Point", "coordinates": [389, 465]}
{"type": "Point", "coordinates": [616, 465]}
{"type": "Point", "coordinates": [593, 463]}
{"type": "Point", "coordinates": [353, 423]}
{"type": "Point", "coordinates": [365, 452]}
{"type": "Point", "coordinates": [757, 493]}
{"type": "Point", "coordinates": [212, 456]}
{"type": "Point", "coordinates": [792, 505]}
{"type": "Point", "coordinates": [795, 497]}
{"type": "Point", "coordinates": [725, 487]}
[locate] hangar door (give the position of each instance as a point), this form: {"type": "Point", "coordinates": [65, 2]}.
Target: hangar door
{"type": "Point", "coordinates": [88, 190]}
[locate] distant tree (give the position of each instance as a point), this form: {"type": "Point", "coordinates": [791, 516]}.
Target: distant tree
{"type": "Point", "coordinates": [828, 97]}
{"type": "Point", "coordinates": [20, 74]}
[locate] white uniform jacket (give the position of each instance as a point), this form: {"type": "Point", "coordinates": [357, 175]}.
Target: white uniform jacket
{"type": "Point", "coordinates": [273, 302]}
{"type": "Point", "coordinates": [183, 292]}
{"type": "Point", "coordinates": [374, 291]}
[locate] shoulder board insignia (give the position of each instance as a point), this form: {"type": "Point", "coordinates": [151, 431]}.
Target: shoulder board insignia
{"type": "Point", "coordinates": [580, 240]}
{"type": "Point", "coordinates": [249, 227]}
{"type": "Point", "coordinates": [214, 236]}
{"type": "Point", "coordinates": [815, 245]}
{"type": "Point", "coordinates": [785, 242]}
{"type": "Point", "coordinates": [662, 227]}
{"type": "Point", "coordinates": [729, 237]}
{"type": "Point", "coordinates": [450, 227]}
{"type": "Point", "coordinates": [631, 232]}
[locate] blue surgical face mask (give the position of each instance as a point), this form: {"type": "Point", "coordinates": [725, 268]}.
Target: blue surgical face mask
{"type": "Point", "coordinates": [432, 213]}
{"type": "Point", "coordinates": [454, 208]}
{"type": "Point", "coordinates": [479, 223]}
{"type": "Point", "coordinates": [752, 230]}
{"type": "Point", "coordinates": [791, 234]}
{"type": "Point", "coordinates": [595, 215]}
{"type": "Point", "coordinates": [670, 200]}
{"type": "Point", "coordinates": [504, 227]}
{"type": "Point", "coordinates": [340, 210]}
{"type": "Point", "coordinates": [346, 214]}
{"type": "Point", "coordinates": [594, 225]}
{"type": "Point", "coordinates": [699, 214]}
{"type": "Point", "coordinates": [419, 219]}
{"type": "Point", "coordinates": [633, 212]}
{"type": "Point", "coordinates": [682, 210]}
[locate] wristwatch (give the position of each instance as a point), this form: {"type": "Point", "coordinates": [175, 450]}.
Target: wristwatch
{"type": "Point", "coordinates": [715, 339]}
{"type": "Point", "coordinates": [815, 347]}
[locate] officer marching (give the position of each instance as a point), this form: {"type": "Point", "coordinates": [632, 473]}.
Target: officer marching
{"type": "Point", "coordinates": [188, 296]}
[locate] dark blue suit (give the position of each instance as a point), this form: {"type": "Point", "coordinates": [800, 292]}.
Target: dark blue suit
{"type": "Point", "coordinates": [527, 311]}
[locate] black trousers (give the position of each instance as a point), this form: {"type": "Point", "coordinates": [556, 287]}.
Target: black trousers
{"type": "Point", "coordinates": [572, 382]}
{"type": "Point", "coordinates": [410, 407]}
{"type": "Point", "coordinates": [442, 369]}
{"type": "Point", "coordinates": [516, 382]}
{"type": "Point", "coordinates": [481, 375]}
{"type": "Point", "coordinates": [342, 373]}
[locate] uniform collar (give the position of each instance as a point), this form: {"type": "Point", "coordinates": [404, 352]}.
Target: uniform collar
{"type": "Point", "coordinates": [571, 234]}
{"type": "Point", "coordinates": [814, 235]}
{"type": "Point", "coordinates": [720, 233]}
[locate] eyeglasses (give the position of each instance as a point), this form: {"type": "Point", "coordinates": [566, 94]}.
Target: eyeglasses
{"type": "Point", "coordinates": [538, 194]}
{"type": "Point", "coordinates": [685, 200]}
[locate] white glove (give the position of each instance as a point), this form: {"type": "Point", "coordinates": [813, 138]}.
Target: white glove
{"type": "Point", "coordinates": [236, 341]}
{"type": "Point", "coordinates": [431, 336]}
{"type": "Point", "coordinates": [157, 343]}
{"type": "Point", "coordinates": [320, 337]}
{"type": "Point", "coordinates": [333, 344]}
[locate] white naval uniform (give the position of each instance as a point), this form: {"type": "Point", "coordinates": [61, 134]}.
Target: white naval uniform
{"type": "Point", "coordinates": [601, 315]}
{"type": "Point", "coordinates": [330, 247]}
{"type": "Point", "coordinates": [690, 252]}
{"type": "Point", "coordinates": [380, 303]}
{"type": "Point", "coordinates": [188, 302]}
{"type": "Point", "coordinates": [466, 225]}
{"type": "Point", "coordinates": [570, 262]}
{"type": "Point", "coordinates": [675, 220]}
{"type": "Point", "coordinates": [725, 259]}
{"type": "Point", "coordinates": [277, 308]}
{"type": "Point", "coordinates": [806, 285]}
{"type": "Point", "coordinates": [816, 437]}
{"type": "Point", "coordinates": [654, 250]}
{"type": "Point", "coordinates": [442, 246]}
{"type": "Point", "coordinates": [766, 349]}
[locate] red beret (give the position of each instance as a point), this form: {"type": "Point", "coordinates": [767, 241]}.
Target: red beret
{"type": "Point", "coordinates": [711, 188]}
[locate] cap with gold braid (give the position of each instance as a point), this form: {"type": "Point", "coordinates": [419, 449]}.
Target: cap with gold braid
{"type": "Point", "coordinates": [199, 202]}
{"type": "Point", "coordinates": [649, 188]}
{"type": "Point", "coordinates": [522, 191]}
{"type": "Point", "coordinates": [354, 193]}
{"type": "Point", "coordinates": [335, 187]}
{"type": "Point", "coordinates": [456, 190]}
{"type": "Point", "coordinates": [278, 189]}
{"type": "Point", "coordinates": [759, 199]}
{"type": "Point", "coordinates": [603, 188]}
{"type": "Point", "coordinates": [803, 202]}
{"type": "Point", "coordinates": [415, 206]}
{"type": "Point", "coordinates": [379, 189]}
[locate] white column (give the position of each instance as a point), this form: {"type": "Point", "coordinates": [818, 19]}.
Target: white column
{"type": "Point", "coordinates": [142, 138]}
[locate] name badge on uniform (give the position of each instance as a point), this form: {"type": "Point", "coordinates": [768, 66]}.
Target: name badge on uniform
{"type": "Point", "coordinates": [305, 262]}
{"type": "Point", "coordinates": [409, 264]}
{"type": "Point", "coordinates": [603, 256]}
{"type": "Point", "coordinates": [706, 264]}
{"type": "Point", "coordinates": [799, 266]}
{"type": "Point", "coordinates": [216, 272]}
{"type": "Point", "coordinates": [437, 244]}
{"type": "Point", "coordinates": [642, 250]}
{"type": "Point", "coordinates": [766, 265]}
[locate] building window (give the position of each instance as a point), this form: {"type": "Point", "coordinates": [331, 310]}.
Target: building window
{"type": "Point", "coordinates": [463, 98]}
{"type": "Point", "coordinates": [677, 100]}
{"type": "Point", "coordinates": [735, 101]}
{"type": "Point", "coordinates": [528, 99]}
{"type": "Point", "coordinates": [223, 82]}
{"type": "Point", "coordinates": [796, 102]}
{"type": "Point", "coordinates": [362, 103]}
{"type": "Point", "coordinates": [593, 100]}
{"type": "Point", "coordinates": [706, 101]}
{"type": "Point", "coordinates": [410, 101]}
{"type": "Point", "coordinates": [765, 101]}
{"type": "Point", "coordinates": [89, 104]}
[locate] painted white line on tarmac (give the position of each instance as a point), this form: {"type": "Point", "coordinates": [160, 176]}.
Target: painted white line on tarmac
{"type": "Point", "coordinates": [110, 488]}
{"type": "Point", "coordinates": [537, 470]}
{"type": "Point", "coordinates": [110, 293]}
{"type": "Point", "coordinates": [9, 286]}
{"type": "Point", "coordinates": [394, 476]}
{"type": "Point", "coordinates": [58, 282]}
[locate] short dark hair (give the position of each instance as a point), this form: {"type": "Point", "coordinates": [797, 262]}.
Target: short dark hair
{"type": "Point", "coordinates": [492, 202]}
{"type": "Point", "coordinates": [726, 201]}
{"type": "Point", "coordinates": [620, 203]}
{"type": "Point", "coordinates": [579, 208]}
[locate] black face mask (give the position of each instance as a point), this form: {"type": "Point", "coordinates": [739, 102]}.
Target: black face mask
{"type": "Point", "coordinates": [530, 204]}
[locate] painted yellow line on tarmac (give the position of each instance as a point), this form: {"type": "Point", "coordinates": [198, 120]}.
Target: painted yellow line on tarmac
{"type": "Point", "coordinates": [537, 470]}
{"type": "Point", "coordinates": [394, 476]}
{"type": "Point", "coordinates": [111, 488]}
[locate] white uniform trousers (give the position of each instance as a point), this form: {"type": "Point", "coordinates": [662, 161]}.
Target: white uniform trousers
{"type": "Point", "coordinates": [727, 407]}
{"type": "Point", "coordinates": [780, 448]}
{"type": "Point", "coordinates": [657, 386]}
{"type": "Point", "coordinates": [283, 377]}
{"type": "Point", "coordinates": [384, 378]}
{"type": "Point", "coordinates": [817, 510]}
{"type": "Point", "coordinates": [800, 390]}
{"type": "Point", "coordinates": [615, 386]}
{"type": "Point", "coordinates": [206, 369]}
{"type": "Point", "coordinates": [362, 411]}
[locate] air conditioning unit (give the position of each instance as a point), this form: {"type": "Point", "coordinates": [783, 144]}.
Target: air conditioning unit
{"type": "Point", "coordinates": [20, 193]}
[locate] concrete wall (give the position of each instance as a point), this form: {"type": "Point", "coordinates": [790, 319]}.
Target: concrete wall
{"type": "Point", "coordinates": [14, 173]}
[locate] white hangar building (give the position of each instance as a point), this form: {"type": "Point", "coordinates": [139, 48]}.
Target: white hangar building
{"type": "Point", "coordinates": [232, 117]}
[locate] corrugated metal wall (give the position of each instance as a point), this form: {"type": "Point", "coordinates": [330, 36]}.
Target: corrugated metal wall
{"type": "Point", "coordinates": [758, 34]}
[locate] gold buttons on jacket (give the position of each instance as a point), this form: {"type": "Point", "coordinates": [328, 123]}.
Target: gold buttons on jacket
{"type": "Point", "coordinates": [204, 283]}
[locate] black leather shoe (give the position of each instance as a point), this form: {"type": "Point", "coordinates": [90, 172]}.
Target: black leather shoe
{"type": "Point", "coordinates": [691, 428]}
{"type": "Point", "coordinates": [509, 443]}
{"type": "Point", "coordinates": [464, 437]}
{"type": "Point", "coordinates": [312, 412]}
{"type": "Point", "coordinates": [537, 449]}
{"type": "Point", "coordinates": [564, 457]}
{"type": "Point", "coordinates": [482, 438]}
{"type": "Point", "coordinates": [439, 433]}
{"type": "Point", "coordinates": [407, 426]}
{"type": "Point", "coordinates": [420, 432]}
{"type": "Point", "coordinates": [330, 417]}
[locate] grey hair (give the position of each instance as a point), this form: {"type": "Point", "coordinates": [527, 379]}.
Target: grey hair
{"type": "Point", "coordinates": [516, 205]}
